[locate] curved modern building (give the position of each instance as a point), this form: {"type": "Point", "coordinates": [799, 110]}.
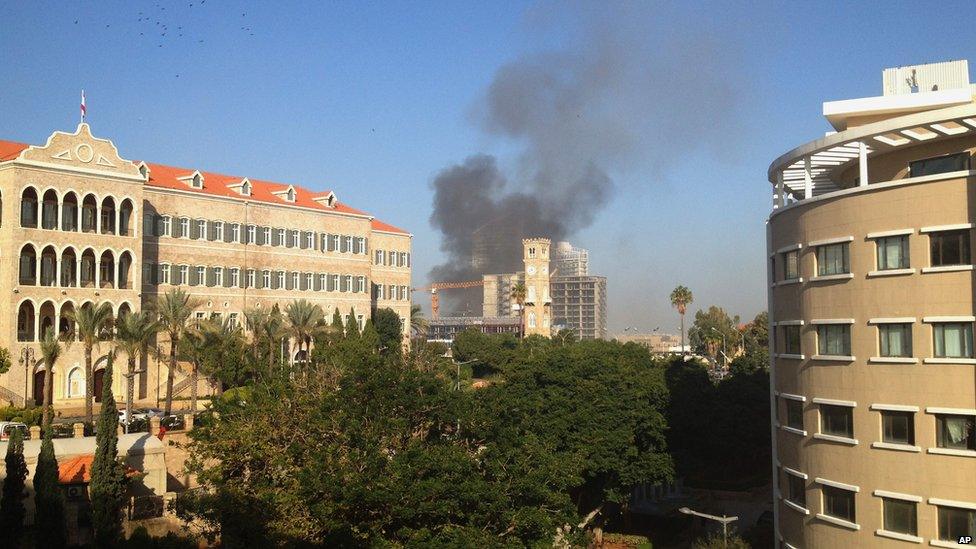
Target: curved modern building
{"type": "Point", "coordinates": [872, 310]}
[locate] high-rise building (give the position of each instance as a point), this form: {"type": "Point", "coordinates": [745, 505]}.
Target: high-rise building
{"type": "Point", "coordinates": [570, 261]}
{"type": "Point", "coordinates": [82, 225]}
{"type": "Point", "coordinates": [579, 304]}
{"type": "Point", "coordinates": [497, 293]}
{"type": "Point", "coordinates": [871, 309]}
{"type": "Point", "coordinates": [538, 303]}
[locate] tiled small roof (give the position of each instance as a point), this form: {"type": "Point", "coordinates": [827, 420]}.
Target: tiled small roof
{"type": "Point", "coordinates": [216, 184]}
{"type": "Point", "coordinates": [77, 470]}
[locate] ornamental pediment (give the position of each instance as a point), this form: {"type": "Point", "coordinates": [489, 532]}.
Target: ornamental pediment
{"type": "Point", "coordinates": [82, 152]}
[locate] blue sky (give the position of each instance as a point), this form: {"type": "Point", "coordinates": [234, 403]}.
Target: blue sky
{"type": "Point", "coordinates": [372, 100]}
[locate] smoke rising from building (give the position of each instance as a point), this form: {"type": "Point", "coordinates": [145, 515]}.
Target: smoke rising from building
{"type": "Point", "coordinates": [620, 97]}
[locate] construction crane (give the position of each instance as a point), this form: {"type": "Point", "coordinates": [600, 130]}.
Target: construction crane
{"type": "Point", "coordinates": [436, 286]}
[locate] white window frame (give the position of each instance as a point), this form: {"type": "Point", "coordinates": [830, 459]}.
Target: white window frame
{"type": "Point", "coordinates": [235, 277]}
{"type": "Point", "coordinates": [164, 269]}
{"type": "Point", "coordinates": [184, 276]}
{"type": "Point", "coordinates": [251, 278]}
{"type": "Point", "coordinates": [266, 279]}
{"type": "Point", "coordinates": [279, 280]}
{"type": "Point", "coordinates": [218, 276]}
{"type": "Point", "coordinates": [185, 227]}
{"type": "Point", "coordinates": [266, 236]}
{"type": "Point", "coordinates": [201, 273]}
{"type": "Point", "coordinates": [218, 231]}
{"type": "Point", "coordinates": [235, 232]}
{"type": "Point", "coordinates": [251, 234]}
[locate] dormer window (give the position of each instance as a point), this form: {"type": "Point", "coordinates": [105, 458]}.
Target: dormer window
{"type": "Point", "coordinates": [243, 188]}
{"type": "Point", "coordinates": [288, 195]}
{"type": "Point", "coordinates": [328, 200]}
{"type": "Point", "coordinates": [194, 180]}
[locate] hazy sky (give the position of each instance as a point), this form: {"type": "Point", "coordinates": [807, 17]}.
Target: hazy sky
{"type": "Point", "coordinates": [374, 100]}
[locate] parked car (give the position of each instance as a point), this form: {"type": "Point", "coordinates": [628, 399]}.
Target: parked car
{"type": "Point", "coordinates": [141, 414]}
{"type": "Point", "coordinates": [8, 427]}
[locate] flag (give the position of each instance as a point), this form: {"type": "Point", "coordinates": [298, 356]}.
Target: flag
{"type": "Point", "coordinates": [83, 112]}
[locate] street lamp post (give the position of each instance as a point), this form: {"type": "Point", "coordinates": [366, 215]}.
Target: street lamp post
{"type": "Point", "coordinates": [26, 356]}
{"type": "Point", "coordinates": [723, 519]}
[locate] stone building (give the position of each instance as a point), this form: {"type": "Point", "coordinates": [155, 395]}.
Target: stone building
{"type": "Point", "coordinates": [82, 225]}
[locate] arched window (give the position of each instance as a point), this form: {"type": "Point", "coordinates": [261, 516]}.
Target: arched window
{"type": "Point", "coordinates": [108, 215]}
{"type": "Point", "coordinates": [49, 210]}
{"type": "Point", "coordinates": [106, 270]}
{"type": "Point", "coordinates": [47, 314]}
{"type": "Point", "coordinates": [88, 266]}
{"type": "Point", "coordinates": [124, 309]}
{"type": "Point", "coordinates": [89, 214]}
{"type": "Point", "coordinates": [69, 268]}
{"type": "Point", "coordinates": [28, 208]}
{"type": "Point", "coordinates": [125, 218]}
{"type": "Point", "coordinates": [125, 270]}
{"type": "Point", "coordinates": [76, 383]}
{"type": "Point", "coordinates": [69, 212]}
{"type": "Point", "coordinates": [28, 266]}
{"type": "Point", "coordinates": [49, 265]}
{"type": "Point", "coordinates": [25, 322]}
{"type": "Point", "coordinates": [67, 326]}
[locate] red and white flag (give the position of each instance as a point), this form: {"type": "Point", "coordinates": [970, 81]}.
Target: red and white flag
{"type": "Point", "coordinates": [83, 112]}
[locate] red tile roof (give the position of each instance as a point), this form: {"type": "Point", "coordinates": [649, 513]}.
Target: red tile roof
{"type": "Point", "coordinates": [216, 184]}
{"type": "Point", "coordinates": [10, 149]}
{"type": "Point", "coordinates": [77, 470]}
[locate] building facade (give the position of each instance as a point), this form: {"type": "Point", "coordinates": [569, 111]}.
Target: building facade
{"type": "Point", "coordinates": [497, 289]}
{"type": "Point", "coordinates": [871, 306]}
{"type": "Point", "coordinates": [579, 304]}
{"type": "Point", "coordinates": [570, 261]}
{"type": "Point", "coordinates": [657, 343]}
{"type": "Point", "coordinates": [82, 225]}
{"type": "Point", "coordinates": [445, 328]}
{"type": "Point", "coordinates": [536, 318]}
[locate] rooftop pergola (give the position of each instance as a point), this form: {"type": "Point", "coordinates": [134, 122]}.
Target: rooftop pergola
{"type": "Point", "coordinates": [812, 169]}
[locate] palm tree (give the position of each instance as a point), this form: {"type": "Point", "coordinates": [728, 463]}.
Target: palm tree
{"type": "Point", "coordinates": [51, 348]}
{"type": "Point", "coordinates": [305, 320]}
{"type": "Point", "coordinates": [418, 324]}
{"type": "Point", "coordinates": [93, 324]}
{"type": "Point", "coordinates": [134, 333]}
{"type": "Point", "coordinates": [174, 309]}
{"type": "Point", "coordinates": [680, 299]}
{"type": "Point", "coordinates": [519, 293]}
{"type": "Point", "coordinates": [211, 339]}
{"type": "Point", "coordinates": [267, 329]}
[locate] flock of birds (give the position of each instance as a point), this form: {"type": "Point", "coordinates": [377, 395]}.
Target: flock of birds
{"type": "Point", "coordinates": [158, 25]}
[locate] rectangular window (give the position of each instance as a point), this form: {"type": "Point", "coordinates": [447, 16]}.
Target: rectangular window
{"type": "Point", "coordinates": [232, 320]}
{"type": "Point", "coordinates": [939, 164]}
{"type": "Point", "coordinates": [394, 259]}
{"type": "Point", "coordinates": [163, 276]}
{"type": "Point", "coordinates": [796, 490]}
{"type": "Point", "coordinates": [837, 420]}
{"type": "Point", "coordinates": [279, 280]}
{"type": "Point", "coordinates": [347, 283]}
{"type": "Point", "coordinates": [219, 231]}
{"type": "Point", "coordinates": [833, 259]}
{"type": "Point", "coordinates": [895, 340]}
{"type": "Point", "coordinates": [184, 227]}
{"type": "Point", "coordinates": [900, 516]}
{"type": "Point", "coordinates": [295, 240]}
{"type": "Point", "coordinates": [334, 284]}
{"type": "Point", "coordinates": [379, 291]}
{"type": "Point", "coordinates": [201, 229]}
{"type": "Point", "coordinates": [265, 236]}
{"type": "Point", "coordinates": [838, 503]}
{"type": "Point", "coordinates": [949, 248]}
{"type": "Point", "coordinates": [955, 523]}
{"type": "Point", "coordinates": [892, 252]}
{"type": "Point", "coordinates": [218, 278]}
{"type": "Point", "coordinates": [235, 232]}
{"type": "Point", "coordinates": [184, 275]}
{"type": "Point", "coordinates": [794, 413]}
{"type": "Point", "coordinates": [279, 237]}
{"type": "Point", "coordinates": [235, 278]}
{"type": "Point", "coordinates": [834, 339]}
{"type": "Point", "coordinates": [347, 244]}
{"type": "Point", "coordinates": [323, 282]}
{"type": "Point", "coordinates": [378, 257]}
{"type": "Point", "coordinates": [201, 276]}
{"type": "Point", "coordinates": [310, 241]}
{"type": "Point", "coordinates": [309, 283]}
{"type": "Point", "coordinates": [251, 278]}
{"type": "Point", "coordinates": [791, 340]}
{"type": "Point", "coordinates": [265, 279]}
{"type": "Point", "coordinates": [251, 232]}
{"type": "Point", "coordinates": [361, 245]}
{"type": "Point", "coordinates": [167, 226]}
{"type": "Point", "coordinates": [955, 432]}
{"type": "Point", "coordinates": [898, 427]}
{"type": "Point", "coordinates": [361, 284]}
{"type": "Point", "coordinates": [953, 339]}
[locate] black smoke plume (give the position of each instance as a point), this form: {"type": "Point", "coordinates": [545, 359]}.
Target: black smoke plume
{"type": "Point", "coordinates": [622, 96]}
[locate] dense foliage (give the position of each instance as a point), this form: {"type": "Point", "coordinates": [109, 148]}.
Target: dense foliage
{"type": "Point", "coordinates": [49, 514]}
{"type": "Point", "coordinates": [367, 448]}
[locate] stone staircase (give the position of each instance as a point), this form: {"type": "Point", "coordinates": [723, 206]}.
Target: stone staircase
{"type": "Point", "coordinates": [8, 396]}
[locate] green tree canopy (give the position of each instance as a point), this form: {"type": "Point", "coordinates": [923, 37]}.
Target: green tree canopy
{"type": "Point", "coordinates": [708, 330]}
{"type": "Point", "coordinates": [12, 511]}
{"type": "Point", "coordinates": [49, 518]}
{"type": "Point", "coordinates": [108, 480]}
{"type": "Point", "coordinates": [390, 330]}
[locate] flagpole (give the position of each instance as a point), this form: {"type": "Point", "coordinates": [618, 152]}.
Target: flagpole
{"type": "Point", "coordinates": [82, 106]}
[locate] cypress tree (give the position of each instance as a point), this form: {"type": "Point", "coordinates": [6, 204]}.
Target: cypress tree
{"type": "Point", "coordinates": [49, 519]}
{"type": "Point", "coordinates": [108, 480]}
{"type": "Point", "coordinates": [352, 327]}
{"type": "Point", "coordinates": [12, 510]}
{"type": "Point", "coordinates": [370, 337]}
{"type": "Point", "coordinates": [337, 323]}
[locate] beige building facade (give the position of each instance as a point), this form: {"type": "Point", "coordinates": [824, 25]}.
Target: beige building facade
{"type": "Point", "coordinates": [871, 303]}
{"type": "Point", "coordinates": [80, 225]}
